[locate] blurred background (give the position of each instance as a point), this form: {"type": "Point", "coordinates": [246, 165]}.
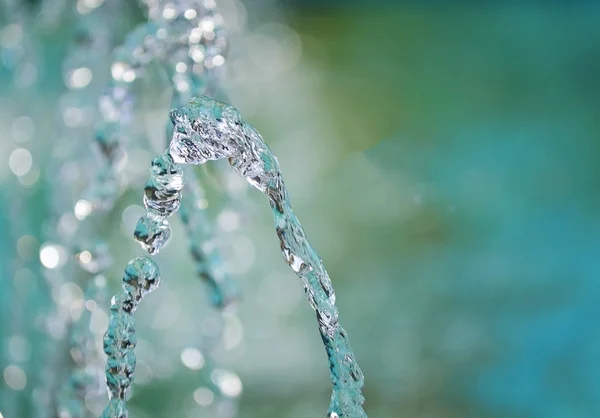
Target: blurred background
{"type": "Point", "coordinates": [444, 160]}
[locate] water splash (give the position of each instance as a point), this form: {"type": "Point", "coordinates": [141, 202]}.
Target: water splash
{"type": "Point", "coordinates": [209, 130]}
{"type": "Point", "coordinates": [161, 198]}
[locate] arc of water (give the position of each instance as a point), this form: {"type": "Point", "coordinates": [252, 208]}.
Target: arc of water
{"type": "Point", "coordinates": [209, 130]}
{"type": "Point", "coordinates": [186, 62]}
{"type": "Point", "coordinates": [188, 39]}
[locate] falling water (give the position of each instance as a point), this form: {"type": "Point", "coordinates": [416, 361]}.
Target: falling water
{"type": "Point", "coordinates": [141, 277]}
{"type": "Point", "coordinates": [188, 40]}
{"type": "Point", "coordinates": [209, 130]}
{"type": "Point", "coordinates": [190, 61]}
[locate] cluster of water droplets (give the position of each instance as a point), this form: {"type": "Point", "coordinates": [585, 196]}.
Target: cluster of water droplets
{"type": "Point", "coordinates": [162, 196]}
{"type": "Point", "coordinates": [140, 278]}
{"type": "Point", "coordinates": [209, 130]}
{"type": "Point", "coordinates": [187, 39]}
{"type": "Point", "coordinates": [184, 36]}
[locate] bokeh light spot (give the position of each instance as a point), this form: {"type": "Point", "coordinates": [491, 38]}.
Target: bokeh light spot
{"type": "Point", "coordinates": [20, 161]}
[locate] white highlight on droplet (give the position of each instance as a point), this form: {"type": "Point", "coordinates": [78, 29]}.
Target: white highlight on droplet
{"type": "Point", "coordinates": [49, 256]}
{"type": "Point", "coordinates": [92, 4]}
{"type": "Point", "coordinates": [208, 25]}
{"type": "Point", "coordinates": [82, 209]}
{"type": "Point", "coordinates": [203, 396]}
{"type": "Point", "coordinates": [229, 383]}
{"type": "Point", "coordinates": [20, 161]}
{"type": "Point", "coordinates": [218, 60]}
{"type": "Point", "coordinates": [169, 12]}
{"type": "Point", "coordinates": [15, 377]}
{"type": "Point", "coordinates": [91, 305]}
{"type": "Point", "coordinates": [73, 116]}
{"type": "Point", "coordinates": [117, 70]}
{"type": "Point", "coordinates": [85, 257]}
{"type": "Point", "coordinates": [128, 76]}
{"type": "Point", "coordinates": [202, 204]}
{"type": "Point", "coordinates": [161, 33]}
{"type": "Point", "coordinates": [192, 358]}
{"type": "Point", "coordinates": [79, 78]}
{"type": "Point", "coordinates": [197, 54]}
{"type": "Point", "coordinates": [190, 14]}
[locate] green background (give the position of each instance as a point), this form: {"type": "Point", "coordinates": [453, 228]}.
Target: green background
{"type": "Point", "coordinates": [443, 158]}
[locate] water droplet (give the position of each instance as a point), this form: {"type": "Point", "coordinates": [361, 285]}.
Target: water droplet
{"type": "Point", "coordinates": [141, 277]}
{"type": "Point", "coordinates": [152, 232]}
{"type": "Point", "coordinates": [115, 409]}
{"type": "Point", "coordinates": [162, 193]}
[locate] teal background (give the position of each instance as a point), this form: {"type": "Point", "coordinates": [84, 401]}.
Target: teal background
{"type": "Point", "coordinates": [443, 158]}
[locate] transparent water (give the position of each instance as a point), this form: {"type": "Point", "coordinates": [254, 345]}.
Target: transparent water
{"type": "Point", "coordinates": [209, 130]}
